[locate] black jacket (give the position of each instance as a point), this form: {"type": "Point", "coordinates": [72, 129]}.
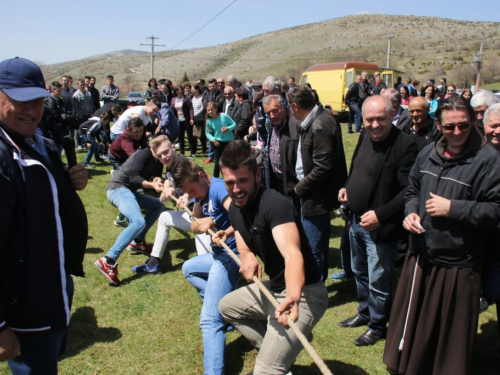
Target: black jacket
{"type": "Point", "coordinates": [40, 244]}
{"type": "Point", "coordinates": [424, 136]}
{"type": "Point", "coordinates": [352, 94]}
{"type": "Point", "coordinates": [232, 108]}
{"type": "Point", "coordinates": [390, 179]}
{"type": "Point", "coordinates": [217, 97]}
{"type": "Point", "coordinates": [289, 139]}
{"type": "Point", "coordinates": [324, 164]}
{"type": "Point", "coordinates": [243, 119]}
{"type": "Point", "coordinates": [471, 180]}
{"type": "Point", "coordinates": [404, 119]}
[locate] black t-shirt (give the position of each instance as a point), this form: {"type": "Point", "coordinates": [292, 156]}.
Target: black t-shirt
{"type": "Point", "coordinates": [255, 224]}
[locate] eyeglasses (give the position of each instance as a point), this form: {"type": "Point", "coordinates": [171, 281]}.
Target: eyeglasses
{"type": "Point", "coordinates": [227, 94]}
{"type": "Point", "coordinates": [220, 83]}
{"type": "Point", "coordinates": [463, 126]}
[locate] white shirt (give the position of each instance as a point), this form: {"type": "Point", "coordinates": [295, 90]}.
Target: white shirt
{"type": "Point", "coordinates": [122, 123]}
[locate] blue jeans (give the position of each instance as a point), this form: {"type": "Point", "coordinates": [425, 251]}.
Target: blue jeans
{"type": "Point", "coordinates": [372, 265]}
{"type": "Point", "coordinates": [113, 136]}
{"type": "Point", "coordinates": [345, 251]}
{"type": "Point", "coordinates": [40, 351]}
{"type": "Point", "coordinates": [93, 150]}
{"type": "Point", "coordinates": [213, 275]}
{"type": "Point", "coordinates": [211, 150]}
{"type": "Point", "coordinates": [130, 204]}
{"type": "Point", "coordinates": [354, 116]}
{"type": "Point", "coordinates": [317, 229]}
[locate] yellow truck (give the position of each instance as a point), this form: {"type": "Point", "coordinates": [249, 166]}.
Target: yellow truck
{"type": "Point", "coordinates": [331, 80]}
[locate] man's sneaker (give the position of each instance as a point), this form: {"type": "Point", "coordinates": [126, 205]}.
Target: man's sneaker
{"type": "Point", "coordinates": [121, 223]}
{"type": "Point", "coordinates": [143, 269]}
{"type": "Point", "coordinates": [100, 160]}
{"type": "Point", "coordinates": [110, 271]}
{"type": "Point", "coordinates": [207, 161]}
{"type": "Point", "coordinates": [79, 148]}
{"type": "Point", "coordinates": [89, 165]}
{"type": "Point", "coordinates": [140, 247]}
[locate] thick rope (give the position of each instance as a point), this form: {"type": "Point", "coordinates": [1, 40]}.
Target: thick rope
{"type": "Point", "coordinates": [314, 355]}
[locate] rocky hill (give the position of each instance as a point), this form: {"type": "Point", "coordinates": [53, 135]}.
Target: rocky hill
{"type": "Point", "coordinates": [422, 47]}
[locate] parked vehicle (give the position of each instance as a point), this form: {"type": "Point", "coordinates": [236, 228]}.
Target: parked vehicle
{"type": "Point", "coordinates": [135, 96]}
{"type": "Point", "coordinates": [332, 80]}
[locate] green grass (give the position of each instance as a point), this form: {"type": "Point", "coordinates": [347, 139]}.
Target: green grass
{"type": "Point", "coordinates": [149, 325]}
{"type": "Point", "coordinates": [492, 86]}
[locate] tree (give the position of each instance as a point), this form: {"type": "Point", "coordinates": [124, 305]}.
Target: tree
{"type": "Point", "coordinates": [185, 78]}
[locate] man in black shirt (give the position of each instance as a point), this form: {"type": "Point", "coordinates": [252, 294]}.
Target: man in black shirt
{"type": "Point", "coordinates": [267, 225]}
{"type": "Point", "coordinates": [375, 192]}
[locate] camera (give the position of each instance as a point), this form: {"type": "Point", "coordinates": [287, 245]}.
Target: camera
{"type": "Point", "coordinates": [342, 211]}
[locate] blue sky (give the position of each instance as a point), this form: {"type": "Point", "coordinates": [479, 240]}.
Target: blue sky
{"type": "Point", "coordinates": [57, 31]}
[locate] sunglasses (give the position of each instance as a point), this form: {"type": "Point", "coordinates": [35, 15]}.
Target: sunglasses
{"type": "Point", "coordinates": [227, 94]}
{"type": "Point", "coordinates": [463, 126]}
{"type": "Point", "coordinates": [220, 83]}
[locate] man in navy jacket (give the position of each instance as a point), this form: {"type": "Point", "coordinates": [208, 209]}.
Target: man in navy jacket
{"type": "Point", "coordinates": [43, 227]}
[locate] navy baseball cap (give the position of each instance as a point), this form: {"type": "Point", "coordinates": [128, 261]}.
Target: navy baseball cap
{"type": "Point", "coordinates": [22, 80]}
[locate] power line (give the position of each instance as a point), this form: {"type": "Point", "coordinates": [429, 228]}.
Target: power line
{"type": "Point", "coordinates": [217, 15]}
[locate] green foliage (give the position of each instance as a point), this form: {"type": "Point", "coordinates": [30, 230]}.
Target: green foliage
{"type": "Point", "coordinates": [185, 78]}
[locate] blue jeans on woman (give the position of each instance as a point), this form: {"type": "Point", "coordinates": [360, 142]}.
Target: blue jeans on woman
{"type": "Point", "coordinates": [372, 265]}
{"type": "Point", "coordinates": [213, 275]}
{"type": "Point", "coordinates": [130, 204]}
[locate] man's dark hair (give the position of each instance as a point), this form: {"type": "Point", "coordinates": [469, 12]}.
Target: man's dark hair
{"type": "Point", "coordinates": [454, 103]}
{"type": "Point", "coordinates": [212, 80]}
{"type": "Point", "coordinates": [242, 93]}
{"type": "Point", "coordinates": [70, 77]}
{"type": "Point", "coordinates": [303, 96]}
{"type": "Point", "coordinates": [238, 154]}
{"type": "Point", "coordinates": [135, 122]}
{"type": "Point", "coordinates": [156, 101]}
{"type": "Point", "coordinates": [110, 76]}
{"type": "Point", "coordinates": [92, 77]}
{"type": "Point", "coordinates": [105, 116]}
{"type": "Point", "coordinates": [55, 84]}
{"type": "Point", "coordinates": [185, 171]}
{"type": "Point", "coordinates": [117, 107]}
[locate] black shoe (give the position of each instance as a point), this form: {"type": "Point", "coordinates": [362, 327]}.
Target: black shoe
{"type": "Point", "coordinates": [367, 338]}
{"type": "Point", "coordinates": [350, 131]}
{"type": "Point", "coordinates": [353, 322]}
{"type": "Point", "coordinates": [483, 305]}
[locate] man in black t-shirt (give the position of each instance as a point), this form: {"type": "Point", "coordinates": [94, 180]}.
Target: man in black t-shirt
{"type": "Point", "coordinates": [267, 225]}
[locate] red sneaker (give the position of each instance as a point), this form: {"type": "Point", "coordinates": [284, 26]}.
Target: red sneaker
{"type": "Point", "coordinates": [110, 271]}
{"type": "Point", "coordinates": [140, 247]}
{"type": "Point", "coordinates": [208, 161]}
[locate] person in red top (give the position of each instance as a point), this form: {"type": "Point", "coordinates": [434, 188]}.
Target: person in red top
{"type": "Point", "coordinates": [127, 143]}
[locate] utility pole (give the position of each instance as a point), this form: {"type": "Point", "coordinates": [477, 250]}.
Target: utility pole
{"type": "Point", "coordinates": [390, 36]}
{"type": "Point", "coordinates": [478, 59]}
{"type": "Point", "coordinates": [152, 45]}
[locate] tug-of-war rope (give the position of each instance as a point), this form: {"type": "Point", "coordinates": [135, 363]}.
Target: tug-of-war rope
{"type": "Point", "coordinates": [314, 355]}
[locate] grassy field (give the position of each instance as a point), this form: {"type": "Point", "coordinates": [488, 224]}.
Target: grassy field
{"type": "Point", "coordinates": [149, 325]}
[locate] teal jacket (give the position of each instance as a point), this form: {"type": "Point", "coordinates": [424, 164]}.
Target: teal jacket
{"type": "Point", "coordinates": [214, 126]}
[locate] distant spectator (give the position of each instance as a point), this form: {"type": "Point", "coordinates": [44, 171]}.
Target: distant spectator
{"type": "Point", "coordinates": [90, 82]}
{"type": "Point", "coordinates": [152, 86]}
{"type": "Point", "coordinates": [405, 96]}
{"type": "Point", "coordinates": [109, 92]}
{"type": "Point", "coordinates": [219, 131]}
{"type": "Point", "coordinates": [430, 96]}
{"type": "Point", "coordinates": [230, 104]}
{"type": "Point", "coordinates": [93, 134]}
{"type": "Point", "coordinates": [442, 88]}
{"type": "Point", "coordinates": [398, 84]}
{"type": "Point", "coordinates": [199, 121]}
{"type": "Point", "coordinates": [291, 83]}
{"type": "Point", "coordinates": [243, 114]}
{"type": "Point", "coordinates": [467, 95]}
{"type": "Point", "coordinates": [415, 91]}
{"type": "Point", "coordinates": [182, 107]}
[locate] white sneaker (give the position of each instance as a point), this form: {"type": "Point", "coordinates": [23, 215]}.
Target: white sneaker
{"type": "Point", "coordinates": [79, 148]}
